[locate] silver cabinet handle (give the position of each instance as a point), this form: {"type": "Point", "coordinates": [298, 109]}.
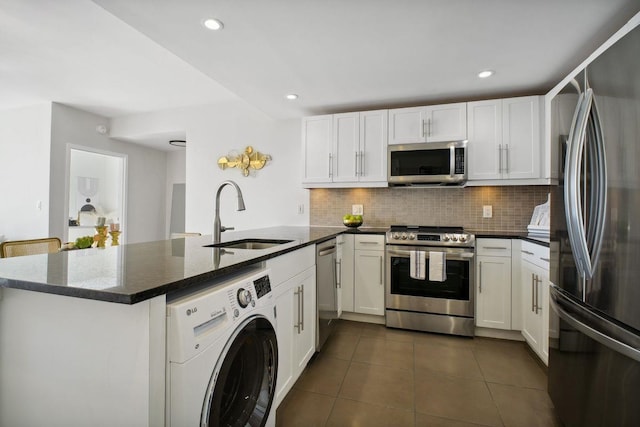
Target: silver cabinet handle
{"type": "Point", "coordinates": [535, 287]}
{"type": "Point", "coordinates": [499, 158]}
{"type": "Point", "coordinates": [362, 173]}
{"type": "Point", "coordinates": [545, 259]}
{"type": "Point", "coordinates": [532, 292]}
{"type": "Point", "coordinates": [356, 159]}
{"type": "Point", "coordinates": [365, 242]}
{"type": "Point", "coordinates": [429, 127]}
{"type": "Point", "coordinates": [297, 294]}
{"type": "Point", "coordinates": [338, 273]}
{"type": "Point", "coordinates": [506, 152]}
{"type": "Point", "coordinates": [480, 276]}
{"type": "Point", "coordinates": [424, 133]}
{"type": "Point", "coordinates": [526, 252]}
{"type": "Point", "coordinates": [330, 165]}
{"type": "Point", "coordinates": [381, 265]}
{"type": "Point", "coordinates": [497, 248]}
{"type": "Point", "coordinates": [302, 306]}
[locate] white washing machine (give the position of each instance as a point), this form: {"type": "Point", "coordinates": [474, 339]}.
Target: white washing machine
{"type": "Point", "coordinates": [222, 354]}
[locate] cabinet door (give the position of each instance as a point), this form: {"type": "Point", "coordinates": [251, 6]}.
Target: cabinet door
{"type": "Point", "coordinates": [346, 151]}
{"type": "Point", "coordinates": [531, 320]}
{"type": "Point", "coordinates": [446, 122]}
{"type": "Point", "coordinates": [305, 336]}
{"type": "Point", "coordinates": [317, 149]}
{"type": "Point", "coordinates": [521, 137]}
{"type": "Point", "coordinates": [485, 139]}
{"type": "Point", "coordinates": [407, 125]}
{"type": "Point", "coordinates": [493, 292]}
{"type": "Point", "coordinates": [369, 282]}
{"type": "Point", "coordinates": [345, 270]}
{"type": "Point", "coordinates": [285, 322]}
{"type": "Point", "coordinates": [372, 158]}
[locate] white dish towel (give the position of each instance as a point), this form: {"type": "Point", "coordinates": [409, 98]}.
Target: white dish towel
{"type": "Point", "coordinates": [417, 265]}
{"type": "Point", "coordinates": [437, 267]}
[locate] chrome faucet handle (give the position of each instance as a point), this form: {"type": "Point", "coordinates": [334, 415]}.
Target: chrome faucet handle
{"type": "Point", "coordinates": [223, 228]}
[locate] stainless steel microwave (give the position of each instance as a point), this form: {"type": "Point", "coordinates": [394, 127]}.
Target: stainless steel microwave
{"type": "Point", "coordinates": [431, 163]}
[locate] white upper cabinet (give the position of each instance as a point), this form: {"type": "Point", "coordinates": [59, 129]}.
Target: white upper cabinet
{"type": "Point", "coordinates": [484, 124]}
{"type": "Point", "coordinates": [346, 146]}
{"type": "Point", "coordinates": [521, 137]}
{"type": "Point", "coordinates": [317, 136]}
{"type": "Point", "coordinates": [345, 150]}
{"type": "Point", "coordinates": [504, 139]}
{"type": "Point", "coordinates": [372, 160]}
{"type": "Point", "coordinates": [434, 123]}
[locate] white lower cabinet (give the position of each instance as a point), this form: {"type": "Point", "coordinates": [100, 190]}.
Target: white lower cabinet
{"type": "Point", "coordinates": [493, 283]}
{"type": "Point", "coordinates": [295, 330]}
{"type": "Point", "coordinates": [293, 284]}
{"type": "Point", "coordinates": [369, 274]}
{"type": "Point", "coordinates": [535, 298]}
{"type": "Point", "coordinates": [361, 272]}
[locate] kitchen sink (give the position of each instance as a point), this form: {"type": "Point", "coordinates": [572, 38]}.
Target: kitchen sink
{"type": "Point", "coordinates": [249, 244]}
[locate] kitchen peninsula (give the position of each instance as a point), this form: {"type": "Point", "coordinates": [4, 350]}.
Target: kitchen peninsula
{"type": "Point", "coordinates": [82, 333]}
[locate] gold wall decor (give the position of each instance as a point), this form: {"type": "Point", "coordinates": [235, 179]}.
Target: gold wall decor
{"type": "Point", "coordinates": [248, 160]}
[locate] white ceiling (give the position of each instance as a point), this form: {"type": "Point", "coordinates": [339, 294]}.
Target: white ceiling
{"type": "Point", "coordinates": [338, 55]}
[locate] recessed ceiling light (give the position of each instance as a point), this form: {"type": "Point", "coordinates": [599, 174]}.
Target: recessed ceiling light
{"type": "Point", "coordinates": [291, 96]}
{"type": "Point", "coordinates": [486, 73]}
{"type": "Point", "coordinates": [213, 24]}
{"type": "Point", "coordinates": [178, 142]}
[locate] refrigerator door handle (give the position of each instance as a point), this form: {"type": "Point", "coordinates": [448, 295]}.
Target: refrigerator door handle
{"type": "Point", "coordinates": [599, 185]}
{"type": "Point", "coordinates": [594, 326]}
{"type": "Point", "coordinates": [585, 115]}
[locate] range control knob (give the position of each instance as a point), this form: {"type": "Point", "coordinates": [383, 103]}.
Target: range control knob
{"type": "Point", "coordinates": [446, 238]}
{"type": "Point", "coordinates": [412, 236]}
{"type": "Point", "coordinates": [244, 297]}
{"type": "Point", "coordinates": [463, 238]}
{"type": "Point", "coordinates": [454, 238]}
{"type": "Point", "coordinates": [396, 235]}
{"type": "Point", "coordinates": [403, 236]}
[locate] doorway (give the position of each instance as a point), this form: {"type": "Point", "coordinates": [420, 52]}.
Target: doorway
{"type": "Point", "coordinates": [96, 188]}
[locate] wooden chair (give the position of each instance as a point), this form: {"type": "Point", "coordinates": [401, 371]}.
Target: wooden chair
{"type": "Point", "coordinates": [29, 247]}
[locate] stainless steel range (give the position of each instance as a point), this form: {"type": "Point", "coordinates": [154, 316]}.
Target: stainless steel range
{"type": "Point", "coordinates": [430, 279]}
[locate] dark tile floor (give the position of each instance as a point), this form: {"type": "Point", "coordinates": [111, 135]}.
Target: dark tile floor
{"type": "Point", "coordinates": [368, 375]}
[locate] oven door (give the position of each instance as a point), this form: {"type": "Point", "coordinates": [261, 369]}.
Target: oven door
{"type": "Point", "coordinates": [454, 296]}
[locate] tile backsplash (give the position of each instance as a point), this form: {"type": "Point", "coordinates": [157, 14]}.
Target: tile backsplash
{"type": "Point", "coordinates": [512, 206]}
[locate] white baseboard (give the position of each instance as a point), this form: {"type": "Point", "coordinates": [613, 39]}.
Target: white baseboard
{"type": "Point", "coordinates": [358, 317]}
{"type": "Point", "coordinates": [499, 333]}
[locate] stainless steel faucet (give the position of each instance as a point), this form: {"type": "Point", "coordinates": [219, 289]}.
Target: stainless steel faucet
{"type": "Point", "coordinates": [217, 227]}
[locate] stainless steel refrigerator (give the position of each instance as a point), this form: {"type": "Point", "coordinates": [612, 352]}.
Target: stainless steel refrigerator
{"type": "Point", "coordinates": [594, 334]}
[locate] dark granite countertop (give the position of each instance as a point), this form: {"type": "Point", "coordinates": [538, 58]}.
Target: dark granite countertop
{"type": "Point", "coordinates": [136, 272]}
{"type": "Point", "coordinates": [522, 235]}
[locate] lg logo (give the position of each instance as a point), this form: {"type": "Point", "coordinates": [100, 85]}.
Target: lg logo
{"type": "Point", "coordinates": [191, 310]}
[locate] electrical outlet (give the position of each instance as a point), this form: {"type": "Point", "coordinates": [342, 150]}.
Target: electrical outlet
{"type": "Point", "coordinates": [300, 209]}
{"type": "Point", "coordinates": [487, 211]}
{"type": "Point", "coordinates": [356, 210]}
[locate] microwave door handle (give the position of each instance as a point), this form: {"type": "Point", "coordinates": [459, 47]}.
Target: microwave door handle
{"type": "Point", "coordinates": [452, 161]}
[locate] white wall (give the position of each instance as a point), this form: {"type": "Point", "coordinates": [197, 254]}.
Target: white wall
{"type": "Point", "coordinates": [271, 196]}
{"type": "Point", "coordinates": [176, 174]}
{"type": "Point", "coordinates": [145, 219]}
{"type": "Point", "coordinates": [24, 172]}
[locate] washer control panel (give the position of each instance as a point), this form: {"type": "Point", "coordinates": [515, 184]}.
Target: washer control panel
{"type": "Point", "coordinates": [196, 320]}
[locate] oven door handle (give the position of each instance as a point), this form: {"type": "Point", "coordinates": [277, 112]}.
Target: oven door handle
{"type": "Point", "coordinates": [449, 255]}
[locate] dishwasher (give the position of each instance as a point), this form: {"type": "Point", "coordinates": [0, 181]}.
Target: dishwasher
{"type": "Point", "coordinates": [327, 288]}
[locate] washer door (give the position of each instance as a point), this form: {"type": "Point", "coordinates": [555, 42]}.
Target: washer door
{"type": "Point", "coordinates": [242, 388]}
